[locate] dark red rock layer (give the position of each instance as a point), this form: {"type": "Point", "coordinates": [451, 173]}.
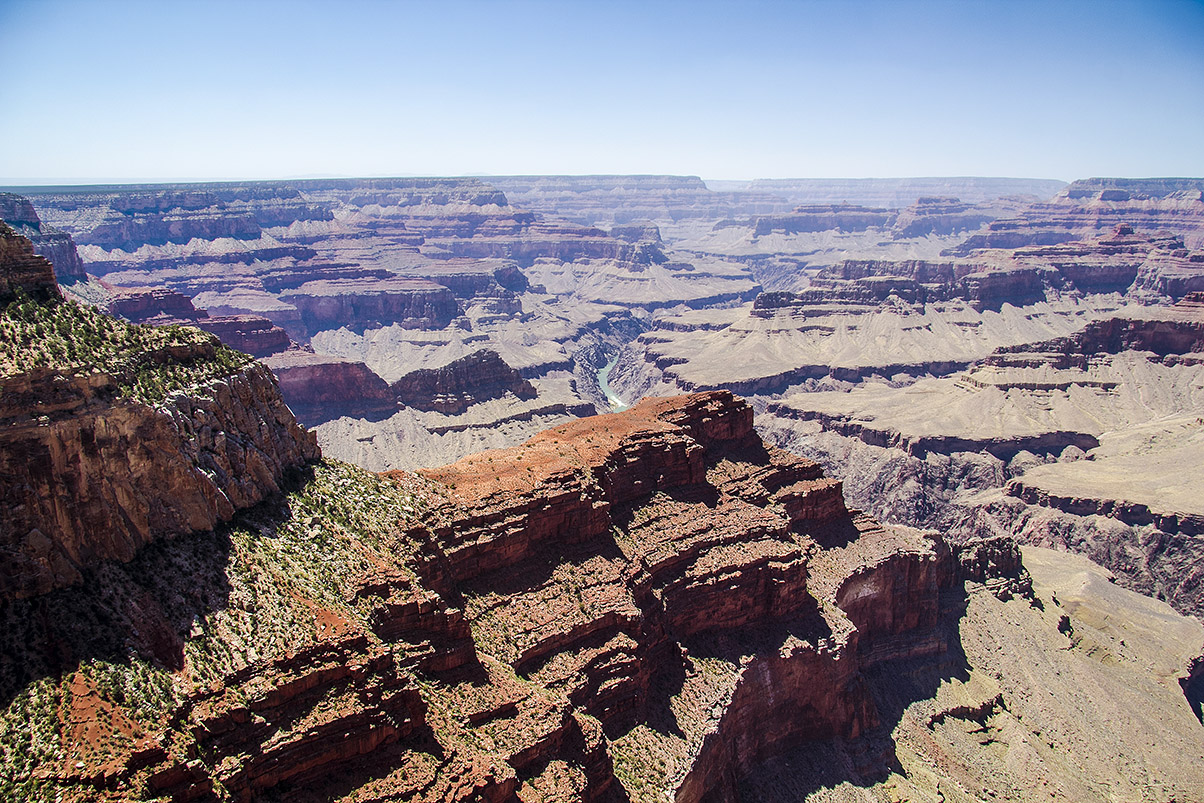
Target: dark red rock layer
{"type": "Point", "coordinates": [320, 388]}
{"type": "Point", "coordinates": [677, 524]}
{"type": "Point", "coordinates": [251, 334]}
{"type": "Point", "coordinates": [455, 387]}
{"type": "Point", "coordinates": [141, 304]}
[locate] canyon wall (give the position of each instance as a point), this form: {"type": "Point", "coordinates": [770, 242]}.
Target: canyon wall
{"type": "Point", "coordinates": [105, 450]}
{"type": "Point", "coordinates": [636, 606]}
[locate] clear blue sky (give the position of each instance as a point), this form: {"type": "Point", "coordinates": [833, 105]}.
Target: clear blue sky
{"type": "Point", "coordinates": [120, 90]}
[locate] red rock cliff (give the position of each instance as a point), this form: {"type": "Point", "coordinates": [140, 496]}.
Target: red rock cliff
{"type": "Point", "coordinates": [455, 387]}
{"type": "Point", "coordinates": [633, 606]}
{"type": "Point", "coordinates": [89, 476]}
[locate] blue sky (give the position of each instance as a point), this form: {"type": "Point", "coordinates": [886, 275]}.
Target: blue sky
{"type": "Point", "coordinates": [115, 90]}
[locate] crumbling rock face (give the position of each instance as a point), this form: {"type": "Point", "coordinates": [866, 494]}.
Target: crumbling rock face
{"type": "Point", "coordinates": [667, 531]}
{"type": "Point", "coordinates": [89, 476]}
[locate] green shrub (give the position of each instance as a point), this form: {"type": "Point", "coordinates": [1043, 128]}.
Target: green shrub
{"type": "Point", "coordinates": [73, 338]}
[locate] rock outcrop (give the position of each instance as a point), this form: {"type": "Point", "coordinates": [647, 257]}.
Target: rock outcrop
{"type": "Point", "coordinates": [49, 242]}
{"type": "Point", "coordinates": [89, 476]}
{"type": "Point", "coordinates": [1089, 207]}
{"type": "Point", "coordinates": [673, 525]}
{"type": "Point", "coordinates": [455, 387]}
{"type": "Point", "coordinates": [637, 606]}
{"type": "Point", "coordinates": [319, 388]}
{"type": "Point", "coordinates": [411, 303]}
{"type": "Point", "coordinates": [1001, 447]}
{"type": "Point", "coordinates": [936, 215]}
{"type": "Point", "coordinates": [22, 271]}
{"type": "Point", "coordinates": [114, 436]}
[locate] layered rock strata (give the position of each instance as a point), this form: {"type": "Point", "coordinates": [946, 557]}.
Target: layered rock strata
{"type": "Point", "coordinates": [23, 271]}
{"type": "Point", "coordinates": [935, 215]}
{"type": "Point", "coordinates": [1001, 447]}
{"type": "Point", "coordinates": [455, 387]}
{"type": "Point", "coordinates": [1090, 206]}
{"type": "Point", "coordinates": [632, 607]}
{"type": "Point", "coordinates": [114, 436]}
{"type": "Point", "coordinates": [319, 388]}
{"type": "Point", "coordinates": [89, 476]}
{"type": "Point", "coordinates": [822, 217]}
{"type": "Point", "coordinates": [49, 242]}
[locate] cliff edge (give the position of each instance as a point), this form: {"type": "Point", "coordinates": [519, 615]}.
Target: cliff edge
{"type": "Point", "coordinates": [113, 435]}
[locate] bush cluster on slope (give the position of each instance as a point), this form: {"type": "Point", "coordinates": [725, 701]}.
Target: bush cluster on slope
{"type": "Point", "coordinates": [148, 362]}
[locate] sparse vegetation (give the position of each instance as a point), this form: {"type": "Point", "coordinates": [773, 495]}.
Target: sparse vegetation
{"type": "Point", "coordinates": [231, 598]}
{"type": "Point", "coordinates": [149, 363]}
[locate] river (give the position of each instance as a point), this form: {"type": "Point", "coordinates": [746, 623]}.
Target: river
{"type": "Point", "coordinates": [616, 404]}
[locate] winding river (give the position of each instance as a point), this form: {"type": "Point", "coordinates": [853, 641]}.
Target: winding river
{"type": "Point", "coordinates": [616, 404]}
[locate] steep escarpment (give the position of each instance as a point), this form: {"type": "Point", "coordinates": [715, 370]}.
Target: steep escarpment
{"type": "Point", "coordinates": [319, 388]}
{"type": "Point", "coordinates": [116, 435]}
{"type": "Point", "coordinates": [1075, 442]}
{"type": "Point", "coordinates": [936, 215]}
{"type": "Point", "coordinates": [252, 334]}
{"type": "Point", "coordinates": [627, 607]}
{"type": "Point", "coordinates": [1090, 206]}
{"type": "Point", "coordinates": [55, 245]}
{"type": "Point", "coordinates": [462, 383]}
{"type": "Point", "coordinates": [22, 271]}
{"type": "Point", "coordinates": [410, 303]}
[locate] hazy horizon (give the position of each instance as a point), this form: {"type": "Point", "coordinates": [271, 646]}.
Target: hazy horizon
{"type": "Point", "coordinates": [133, 92]}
